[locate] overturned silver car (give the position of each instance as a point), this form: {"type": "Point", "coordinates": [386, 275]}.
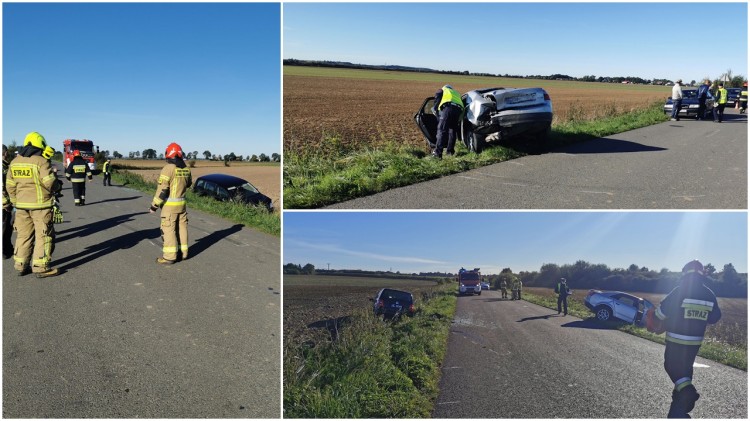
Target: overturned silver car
{"type": "Point", "coordinates": [496, 114]}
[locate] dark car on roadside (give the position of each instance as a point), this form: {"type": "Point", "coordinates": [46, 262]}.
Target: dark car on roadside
{"type": "Point", "coordinates": [228, 188]}
{"type": "Point", "coordinates": [733, 95]}
{"type": "Point", "coordinates": [689, 107]}
{"type": "Point", "coordinates": [391, 303]}
{"type": "Point", "coordinates": [610, 305]}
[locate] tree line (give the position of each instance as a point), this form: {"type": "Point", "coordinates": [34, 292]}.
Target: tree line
{"type": "Point", "coordinates": [580, 275]}
{"type": "Point", "coordinates": [584, 275]}
{"type": "Point", "coordinates": [207, 155]}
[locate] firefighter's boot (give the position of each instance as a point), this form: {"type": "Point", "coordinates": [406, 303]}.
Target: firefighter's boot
{"type": "Point", "coordinates": [47, 273]}
{"type": "Point", "coordinates": [683, 402]}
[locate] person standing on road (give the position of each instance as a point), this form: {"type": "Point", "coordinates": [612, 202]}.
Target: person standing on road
{"type": "Point", "coordinates": [676, 100]}
{"type": "Point", "coordinates": [31, 185]}
{"type": "Point", "coordinates": [107, 172]}
{"type": "Point", "coordinates": [562, 291]}
{"type": "Point", "coordinates": [684, 315]}
{"type": "Point", "coordinates": [449, 108]}
{"type": "Point", "coordinates": [7, 210]}
{"type": "Point", "coordinates": [504, 288]}
{"type": "Point", "coordinates": [721, 103]}
{"type": "Point", "coordinates": [77, 172]}
{"type": "Point", "coordinates": [743, 99]}
{"type": "Point", "coordinates": [174, 180]}
{"type": "Point", "coordinates": [704, 94]}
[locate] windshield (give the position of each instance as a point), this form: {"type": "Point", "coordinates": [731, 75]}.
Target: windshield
{"type": "Point", "coordinates": [390, 294]}
{"type": "Point", "coordinates": [82, 146]}
{"type": "Point", "coordinates": [469, 276]}
{"type": "Point", "coordinates": [243, 188]}
{"type": "Point", "coordinates": [692, 93]}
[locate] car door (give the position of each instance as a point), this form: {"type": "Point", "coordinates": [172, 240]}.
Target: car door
{"type": "Point", "coordinates": [625, 308]}
{"type": "Point", "coordinates": [427, 121]}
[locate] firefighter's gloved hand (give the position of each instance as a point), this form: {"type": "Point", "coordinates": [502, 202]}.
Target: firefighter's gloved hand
{"type": "Point", "coordinates": [57, 216]}
{"type": "Point", "coordinates": [152, 209]}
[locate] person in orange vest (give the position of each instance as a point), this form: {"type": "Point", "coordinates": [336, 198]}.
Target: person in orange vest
{"type": "Point", "coordinates": [174, 180]}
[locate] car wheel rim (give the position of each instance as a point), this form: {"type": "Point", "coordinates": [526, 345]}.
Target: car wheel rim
{"type": "Point", "coordinates": [603, 315]}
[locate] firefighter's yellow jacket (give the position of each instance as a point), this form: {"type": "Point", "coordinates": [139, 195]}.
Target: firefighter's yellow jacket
{"type": "Point", "coordinates": [174, 181]}
{"type": "Point", "coordinates": [31, 182]}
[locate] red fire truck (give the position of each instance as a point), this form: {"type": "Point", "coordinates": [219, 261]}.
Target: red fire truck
{"type": "Point", "coordinates": [86, 147]}
{"type": "Point", "coordinates": [469, 281]}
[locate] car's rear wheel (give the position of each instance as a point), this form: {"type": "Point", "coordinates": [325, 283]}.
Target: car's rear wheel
{"type": "Point", "coordinates": [473, 141]}
{"type": "Point", "coordinates": [603, 313]}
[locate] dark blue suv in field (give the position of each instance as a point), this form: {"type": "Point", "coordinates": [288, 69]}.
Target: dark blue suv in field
{"type": "Point", "coordinates": [392, 303]}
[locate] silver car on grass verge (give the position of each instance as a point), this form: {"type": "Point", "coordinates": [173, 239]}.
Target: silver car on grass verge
{"type": "Point", "coordinates": [609, 305]}
{"type": "Point", "coordinates": [496, 114]}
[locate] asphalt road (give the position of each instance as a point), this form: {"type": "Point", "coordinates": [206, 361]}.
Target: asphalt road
{"type": "Point", "coordinates": [674, 165]}
{"type": "Point", "coordinates": [514, 359]}
{"type": "Point", "coordinates": [118, 336]}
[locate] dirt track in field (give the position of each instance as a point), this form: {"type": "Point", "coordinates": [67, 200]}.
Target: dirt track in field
{"type": "Point", "coordinates": [362, 112]}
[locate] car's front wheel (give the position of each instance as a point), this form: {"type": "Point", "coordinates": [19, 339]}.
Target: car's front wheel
{"type": "Point", "coordinates": [474, 142]}
{"type": "Point", "coordinates": [603, 313]}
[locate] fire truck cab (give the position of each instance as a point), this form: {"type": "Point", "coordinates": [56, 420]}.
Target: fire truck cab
{"type": "Point", "coordinates": [85, 146]}
{"type": "Point", "coordinates": [469, 281]}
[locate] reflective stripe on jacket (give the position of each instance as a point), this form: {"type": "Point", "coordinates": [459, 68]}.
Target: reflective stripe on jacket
{"type": "Point", "coordinates": [30, 182]}
{"type": "Point", "coordinates": [687, 310]}
{"type": "Point", "coordinates": [173, 184]}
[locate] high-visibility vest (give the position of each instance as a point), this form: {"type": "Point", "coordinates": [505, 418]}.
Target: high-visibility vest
{"type": "Point", "coordinates": [743, 96]}
{"type": "Point", "coordinates": [722, 96]}
{"type": "Point", "coordinates": [450, 95]}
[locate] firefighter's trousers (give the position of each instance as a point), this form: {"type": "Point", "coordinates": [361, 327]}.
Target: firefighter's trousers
{"type": "Point", "coordinates": [678, 363]}
{"type": "Point", "coordinates": [35, 241]}
{"type": "Point", "coordinates": [174, 234]}
{"type": "Point", "coordinates": [79, 192]}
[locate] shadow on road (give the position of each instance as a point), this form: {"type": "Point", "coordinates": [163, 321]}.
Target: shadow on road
{"type": "Point", "coordinates": [590, 324]}
{"type": "Point", "coordinates": [604, 145]}
{"type": "Point", "coordinates": [119, 199]}
{"type": "Point", "coordinates": [545, 317]}
{"type": "Point", "coordinates": [493, 300]}
{"type": "Point", "coordinates": [95, 227]}
{"type": "Point", "coordinates": [202, 244]}
{"type": "Point", "coordinates": [102, 249]}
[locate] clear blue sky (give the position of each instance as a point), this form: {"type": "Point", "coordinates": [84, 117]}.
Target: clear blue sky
{"type": "Point", "coordinates": [661, 40]}
{"type": "Point", "coordinates": [445, 241]}
{"type": "Point", "coordinates": [132, 76]}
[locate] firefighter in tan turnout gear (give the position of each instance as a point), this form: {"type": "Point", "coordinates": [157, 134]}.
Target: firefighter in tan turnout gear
{"type": "Point", "coordinates": [174, 180]}
{"type": "Point", "coordinates": [31, 185]}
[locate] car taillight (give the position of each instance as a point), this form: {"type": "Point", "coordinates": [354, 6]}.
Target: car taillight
{"type": "Point", "coordinates": [411, 308]}
{"type": "Point", "coordinates": [381, 304]}
{"type": "Point", "coordinates": [546, 97]}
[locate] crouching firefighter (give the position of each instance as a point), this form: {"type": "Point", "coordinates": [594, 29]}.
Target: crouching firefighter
{"type": "Point", "coordinates": [174, 180]}
{"type": "Point", "coordinates": [76, 173]}
{"type": "Point", "coordinates": [684, 315]}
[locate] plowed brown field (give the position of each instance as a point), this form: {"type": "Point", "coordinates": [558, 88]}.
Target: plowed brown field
{"type": "Point", "coordinates": [313, 309]}
{"type": "Point", "coordinates": [365, 112]}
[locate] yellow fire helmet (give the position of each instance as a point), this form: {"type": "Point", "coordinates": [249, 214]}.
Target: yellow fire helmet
{"type": "Point", "coordinates": [48, 152]}
{"type": "Point", "coordinates": [35, 139]}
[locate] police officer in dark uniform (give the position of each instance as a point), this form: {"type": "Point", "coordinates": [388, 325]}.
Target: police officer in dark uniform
{"type": "Point", "coordinates": [76, 173]}
{"type": "Point", "coordinates": [704, 93]}
{"type": "Point", "coordinates": [684, 315]}
{"type": "Point", "coordinates": [107, 172]}
{"type": "Point", "coordinates": [449, 108]}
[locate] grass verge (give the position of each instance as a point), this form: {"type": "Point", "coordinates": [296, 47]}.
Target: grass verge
{"type": "Point", "coordinates": [251, 216]}
{"type": "Point", "coordinates": [331, 173]}
{"type": "Point", "coordinates": [727, 354]}
{"type": "Point", "coordinates": [375, 368]}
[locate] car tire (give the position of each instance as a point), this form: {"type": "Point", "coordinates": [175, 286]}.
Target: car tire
{"type": "Point", "coordinates": [473, 141]}
{"type": "Point", "coordinates": [603, 314]}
